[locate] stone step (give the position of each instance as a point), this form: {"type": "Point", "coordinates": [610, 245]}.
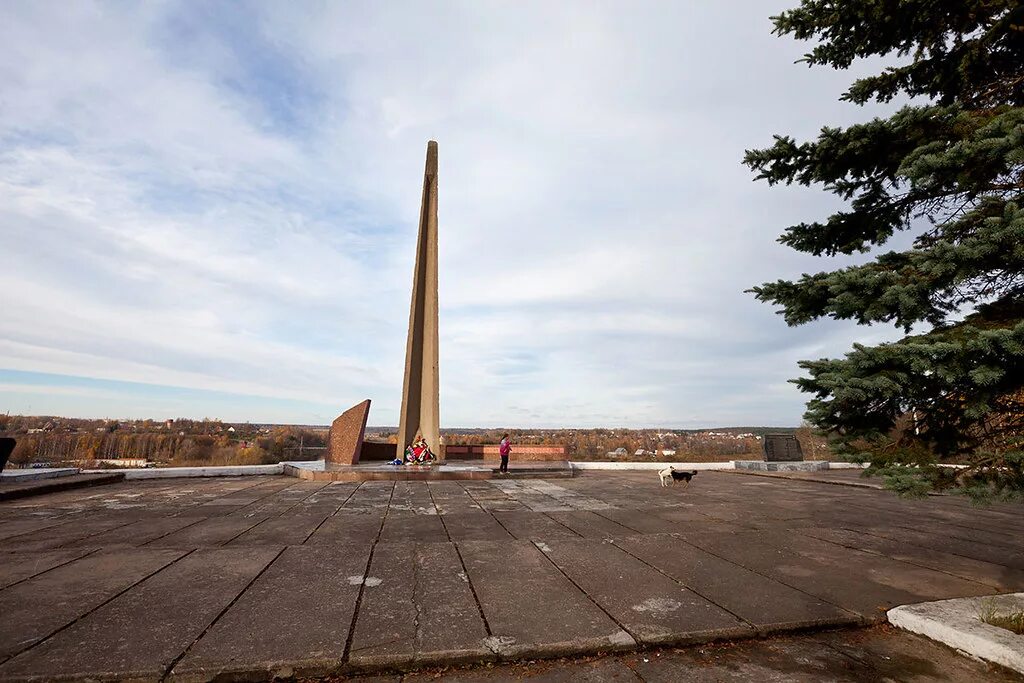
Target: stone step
{"type": "Point", "coordinates": [455, 471]}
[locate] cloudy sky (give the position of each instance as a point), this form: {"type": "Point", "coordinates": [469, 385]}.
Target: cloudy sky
{"type": "Point", "coordinates": [209, 209]}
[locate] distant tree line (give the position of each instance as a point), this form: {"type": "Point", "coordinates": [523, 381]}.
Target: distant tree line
{"type": "Point", "coordinates": [176, 442]}
{"type": "Point", "coordinates": [182, 442]}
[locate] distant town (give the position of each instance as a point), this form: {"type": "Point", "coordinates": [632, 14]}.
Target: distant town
{"type": "Point", "coordinates": [47, 440]}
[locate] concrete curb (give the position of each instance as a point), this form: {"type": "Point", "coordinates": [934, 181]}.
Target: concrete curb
{"type": "Point", "coordinates": [584, 465]}
{"type": "Point", "coordinates": [35, 474]}
{"type": "Point", "coordinates": [56, 485]}
{"type": "Point", "coordinates": [796, 466]}
{"type": "Point", "coordinates": [815, 480]}
{"type": "Point", "coordinates": [175, 472]}
{"type": "Point", "coordinates": [956, 623]}
{"type": "Point", "coordinates": [621, 642]}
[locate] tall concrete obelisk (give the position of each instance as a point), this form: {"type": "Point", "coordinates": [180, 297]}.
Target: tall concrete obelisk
{"type": "Point", "coordinates": [420, 409]}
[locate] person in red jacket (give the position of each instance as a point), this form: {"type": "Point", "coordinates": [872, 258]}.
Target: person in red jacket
{"type": "Point", "coordinates": [504, 448]}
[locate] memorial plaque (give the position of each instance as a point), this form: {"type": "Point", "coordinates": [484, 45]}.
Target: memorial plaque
{"type": "Point", "coordinates": [781, 448]}
{"type": "Point", "coordinates": [420, 392]}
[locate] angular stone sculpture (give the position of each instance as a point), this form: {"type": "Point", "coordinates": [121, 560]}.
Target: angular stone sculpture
{"type": "Point", "coordinates": [345, 442]}
{"type": "Point", "coordinates": [420, 399]}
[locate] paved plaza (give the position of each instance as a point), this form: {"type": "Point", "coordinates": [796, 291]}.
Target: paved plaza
{"type": "Point", "coordinates": [258, 576]}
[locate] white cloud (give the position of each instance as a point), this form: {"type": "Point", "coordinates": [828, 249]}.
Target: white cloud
{"type": "Point", "coordinates": [224, 198]}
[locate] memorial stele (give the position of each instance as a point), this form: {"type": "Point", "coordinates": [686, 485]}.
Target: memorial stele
{"type": "Point", "coordinates": [420, 396]}
{"type": "Point", "coordinates": [420, 392]}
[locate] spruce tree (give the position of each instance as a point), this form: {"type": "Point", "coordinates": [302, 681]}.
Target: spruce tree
{"type": "Point", "coordinates": [949, 169]}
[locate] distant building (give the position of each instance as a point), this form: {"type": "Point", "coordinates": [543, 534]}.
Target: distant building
{"type": "Point", "coordinates": [617, 453]}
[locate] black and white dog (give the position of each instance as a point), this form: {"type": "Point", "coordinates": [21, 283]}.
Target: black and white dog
{"type": "Point", "coordinates": [671, 474]}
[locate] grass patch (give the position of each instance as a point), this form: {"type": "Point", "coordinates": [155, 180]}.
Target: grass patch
{"type": "Point", "coordinates": [1012, 621]}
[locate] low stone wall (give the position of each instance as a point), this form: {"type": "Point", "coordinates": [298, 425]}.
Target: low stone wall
{"type": "Point", "coordinates": [522, 453]}
{"type": "Point", "coordinates": [464, 452]}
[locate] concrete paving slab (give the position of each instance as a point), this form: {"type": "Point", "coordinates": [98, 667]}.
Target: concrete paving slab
{"type": "Point", "coordinates": [994, 575]}
{"type": "Point", "coordinates": [315, 500]}
{"type": "Point", "coordinates": [490, 498]}
{"type": "Point", "coordinates": [15, 567]}
{"type": "Point", "coordinates": [652, 607]}
{"type": "Point", "coordinates": [272, 505]}
{"type": "Point", "coordinates": [206, 533]}
{"type": "Point", "coordinates": [34, 609]}
{"type": "Point", "coordinates": [231, 502]}
{"type": "Point", "coordinates": [451, 498]}
{"type": "Point", "coordinates": [280, 531]}
{"type": "Point", "coordinates": [17, 527]}
{"type": "Point", "coordinates": [766, 604]}
{"type": "Point", "coordinates": [334, 494]}
{"type": "Point", "coordinates": [405, 526]}
{"type": "Point", "coordinates": [371, 495]}
{"type": "Point", "coordinates": [525, 600]}
{"type": "Point", "coordinates": [417, 606]}
{"type": "Point", "coordinates": [322, 510]}
{"type": "Point", "coordinates": [640, 521]}
{"type": "Point", "coordinates": [134, 534]}
{"type": "Point", "coordinates": [494, 504]}
{"type": "Point", "coordinates": [293, 620]}
{"type": "Point", "coordinates": [456, 506]}
{"type": "Point", "coordinates": [139, 634]}
{"type": "Point", "coordinates": [917, 580]}
{"type": "Point", "coordinates": [591, 525]}
{"type": "Point", "coordinates": [684, 516]}
{"type": "Point", "coordinates": [349, 527]}
{"type": "Point", "coordinates": [533, 525]}
{"type": "Point", "coordinates": [979, 534]}
{"type": "Point", "coordinates": [842, 584]}
{"type": "Point", "coordinates": [937, 540]}
{"type": "Point", "coordinates": [728, 513]}
{"type": "Point", "coordinates": [542, 504]}
{"type": "Point", "coordinates": [474, 526]}
{"type": "Point", "coordinates": [69, 531]}
{"type": "Point", "coordinates": [412, 496]}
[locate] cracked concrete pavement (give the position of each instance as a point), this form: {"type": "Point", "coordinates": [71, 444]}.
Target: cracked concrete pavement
{"type": "Point", "coordinates": [263, 576]}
